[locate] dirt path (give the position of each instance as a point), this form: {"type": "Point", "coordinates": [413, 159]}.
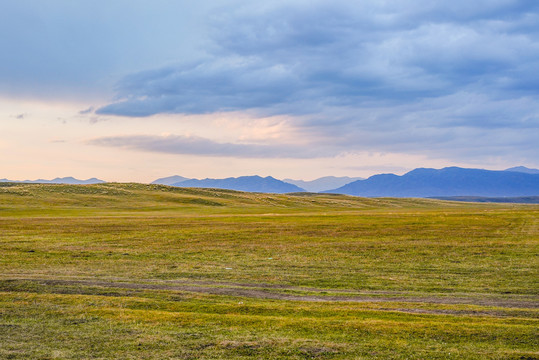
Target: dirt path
{"type": "Point", "coordinates": [267, 291]}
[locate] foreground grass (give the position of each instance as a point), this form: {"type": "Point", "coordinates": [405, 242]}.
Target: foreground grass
{"type": "Point", "coordinates": [136, 271]}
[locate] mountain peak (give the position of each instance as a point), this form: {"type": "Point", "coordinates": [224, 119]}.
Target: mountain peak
{"type": "Point", "coordinates": [523, 169]}
{"type": "Point", "coordinates": [254, 183]}
{"type": "Point", "coordinates": [169, 180]}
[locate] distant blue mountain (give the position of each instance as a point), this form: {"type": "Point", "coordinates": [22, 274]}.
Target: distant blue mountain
{"type": "Point", "coordinates": [170, 180]}
{"type": "Point", "coordinates": [451, 181]}
{"type": "Point", "coordinates": [323, 183]}
{"type": "Point", "coordinates": [523, 169]}
{"type": "Point", "coordinates": [64, 180]}
{"type": "Point", "coordinates": [244, 183]}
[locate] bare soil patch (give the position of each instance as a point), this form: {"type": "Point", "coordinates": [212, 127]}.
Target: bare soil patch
{"type": "Point", "coordinates": [266, 291]}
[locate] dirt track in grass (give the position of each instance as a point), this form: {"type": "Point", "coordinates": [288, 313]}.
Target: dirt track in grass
{"type": "Point", "coordinates": [275, 292]}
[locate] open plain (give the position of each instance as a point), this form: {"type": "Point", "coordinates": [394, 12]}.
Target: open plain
{"type": "Point", "coordinates": [132, 271]}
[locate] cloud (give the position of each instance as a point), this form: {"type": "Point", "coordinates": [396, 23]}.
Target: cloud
{"type": "Point", "coordinates": [192, 145]}
{"type": "Point", "coordinates": [296, 59]}
{"type": "Point", "coordinates": [380, 168]}
{"type": "Point", "coordinates": [451, 78]}
{"type": "Point", "coordinates": [87, 111]}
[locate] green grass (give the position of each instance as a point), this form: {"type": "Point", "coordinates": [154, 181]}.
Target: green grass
{"type": "Point", "coordinates": [134, 271]}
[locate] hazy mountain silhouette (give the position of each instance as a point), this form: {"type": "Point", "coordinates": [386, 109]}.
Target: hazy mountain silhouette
{"type": "Point", "coordinates": [451, 181]}
{"type": "Point", "coordinates": [170, 180]}
{"type": "Point", "coordinates": [323, 183]}
{"type": "Point", "coordinates": [523, 169]}
{"type": "Point", "coordinates": [64, 180]}
{"type": "Point", "coordinates": [244, 183]}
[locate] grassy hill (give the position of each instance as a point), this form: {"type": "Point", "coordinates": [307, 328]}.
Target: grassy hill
{"type": "Point", "coordinates": [42, 199]}
{"type": "Point", "coordinates": [150, 272]}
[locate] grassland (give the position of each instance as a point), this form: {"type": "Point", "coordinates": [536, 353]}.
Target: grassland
{"type": "Point", "coordinates": [131, 271]}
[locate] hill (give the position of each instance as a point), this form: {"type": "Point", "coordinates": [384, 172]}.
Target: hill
{"type": "Point", "coordinates": [451, 181]}
{"type": "Point", "coordinates": [119, 198]}
{"type": "Point", "coordinates": [323, 183]}
{"type": "Point", "coordinates": [243, 183]}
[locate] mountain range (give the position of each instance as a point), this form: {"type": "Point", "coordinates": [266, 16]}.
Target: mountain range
{"type": "Point", "coordinates": [259, 184]}
{"type": "Point", "coordinates": [243, 183]}
{"type": "Point", "coordinates": [450, 181]}
{"type": "Point", "coordinates": [467, 184]}
{"type": "Point", "coordinates": [64, 180]}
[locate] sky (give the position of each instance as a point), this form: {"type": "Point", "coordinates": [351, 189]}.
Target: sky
{"type": "Point", "coordinates": [131, 90]}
